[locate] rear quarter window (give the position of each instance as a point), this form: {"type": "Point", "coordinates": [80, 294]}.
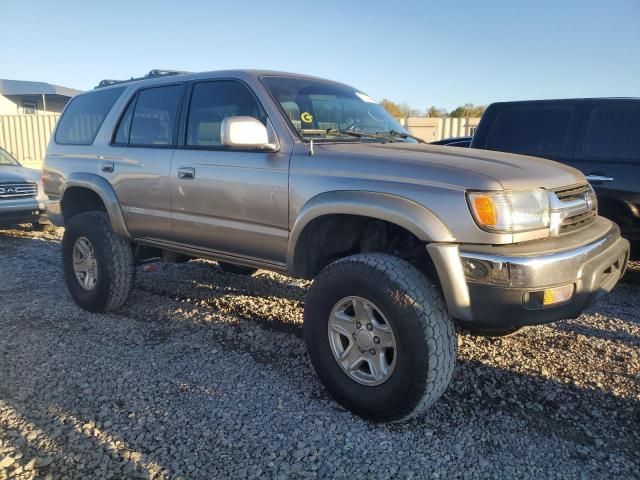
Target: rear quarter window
{"type": "Point", "coordinates": [543, 131]}
{"type": "Point", "coordinates": [83, 117]}
{"type": "Point", "coordinates": [614, 133]}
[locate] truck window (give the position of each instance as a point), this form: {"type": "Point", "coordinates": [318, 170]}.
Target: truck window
{"type": "Point", "coordinates": [83, 117]}
{"type": "Point", "coordinates": [154, 116]}
{"type": "Point", "coordinates": [614, 133]}
{"type": "Point", "coordinates": [212, 102]}
{"type": "Point", "coordinates": [542, 131]}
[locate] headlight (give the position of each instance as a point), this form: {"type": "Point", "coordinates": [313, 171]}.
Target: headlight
{"type": "Point", "coordinates": [510, 211]}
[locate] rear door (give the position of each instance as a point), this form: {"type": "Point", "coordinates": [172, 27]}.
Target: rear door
{"type": "Point", "coordinates": [610, 158]}
{"type": "Point", "coordinates": [140, 160]}
{"type": "Point", "coordinates": [225, 200]}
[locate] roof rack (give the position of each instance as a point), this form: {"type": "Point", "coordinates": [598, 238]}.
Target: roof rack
{"type": "Point", "coordinates": [155, 73]}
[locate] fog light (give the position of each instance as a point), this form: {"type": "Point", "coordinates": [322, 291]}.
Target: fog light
{"type": "Point", "coordinates": [556, 295]}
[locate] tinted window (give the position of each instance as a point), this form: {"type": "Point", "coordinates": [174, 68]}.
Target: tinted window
{"type": "Point", "coordinates": [154, 116]}
{"type": "Point", "coordinates": [539, 131]}
{"type": "Point", "coordinates": [614, 133]}
{"type": "Point", "coordinates": [83, 117]}
{"type": "Point", "coordinates": [212, 102]}
{"type": "Point", "coordinates": [6, 159]}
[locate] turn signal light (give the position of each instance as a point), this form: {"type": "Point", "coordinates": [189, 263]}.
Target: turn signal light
{"type": "Point", "coordinates": [485, 211]}
{"type": "Point", "coordinates": [556, 295]}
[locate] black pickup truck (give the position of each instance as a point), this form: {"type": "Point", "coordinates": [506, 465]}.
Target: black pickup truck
{"type": "Point", "coordinates": [599, 136]}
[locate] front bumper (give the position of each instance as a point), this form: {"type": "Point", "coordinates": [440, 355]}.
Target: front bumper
{"type": "Point", "coordinates": [501, 287]}
{"type": "Point", "coordinates": [54, 212]}
{"type": "Point", "coordinates": [19, 210]}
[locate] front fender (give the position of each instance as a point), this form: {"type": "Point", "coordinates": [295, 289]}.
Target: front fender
{"type": "Point", "coordinates": [105, 191]}
{"type": "Point", "coordinates": [411, 216]}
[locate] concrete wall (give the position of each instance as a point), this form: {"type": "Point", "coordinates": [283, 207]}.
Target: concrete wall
{"type": "Point", "coordinates": [432, 129]}
{"type": "Point", "coordinates": [26, 136]}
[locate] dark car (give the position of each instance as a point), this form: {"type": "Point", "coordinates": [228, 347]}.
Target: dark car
{"type": "Point", "coordinates": [599, 136]}
{"type": "Point", "coordinates": [454, 142]}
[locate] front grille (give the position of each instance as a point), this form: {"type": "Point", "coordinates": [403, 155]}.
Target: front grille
{"type": "Point", "coordinates": [575, 206]}
{"type": "Point", "coordinates": [18, 190]}
{"type": "Point", "coordinates": [572, 193]}
{"type": "Point", "coordinates": [576, 222]}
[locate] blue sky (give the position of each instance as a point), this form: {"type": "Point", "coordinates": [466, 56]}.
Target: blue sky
{"type": "Point", "coordinates": [420, 52]}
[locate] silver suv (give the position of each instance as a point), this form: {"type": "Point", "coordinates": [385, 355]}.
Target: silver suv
{"type": "Point", "coordinates": [314, 179]}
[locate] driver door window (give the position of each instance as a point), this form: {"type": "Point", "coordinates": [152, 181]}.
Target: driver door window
{"type": "Point", "coordinates": [212, 102]}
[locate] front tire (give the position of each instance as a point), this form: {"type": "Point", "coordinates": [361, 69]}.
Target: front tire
{"type": "Point", "coordinates": [396, 321]}
{"type": "Point", "coordinates": [98, 264]}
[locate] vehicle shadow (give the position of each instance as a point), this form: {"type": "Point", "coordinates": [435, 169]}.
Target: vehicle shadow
{"type": "Point", "coordinates": [205, 279]}
{"type": "Point", "coordinates": [601, 333]}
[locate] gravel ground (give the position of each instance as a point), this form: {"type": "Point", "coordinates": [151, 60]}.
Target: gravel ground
{"type": "Point", "coordinates": [205, 375]}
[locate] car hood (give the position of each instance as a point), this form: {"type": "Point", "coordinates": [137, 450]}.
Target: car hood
{"type": "Point", "coordinates": [10, 173]}
{"type": "Point", "coordinates": [470, 168]}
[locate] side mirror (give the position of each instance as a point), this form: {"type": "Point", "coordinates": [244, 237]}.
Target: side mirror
{"type": "Point", "coordinates": [245, 132]}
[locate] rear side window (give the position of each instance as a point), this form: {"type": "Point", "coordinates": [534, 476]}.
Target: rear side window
{"type": "Point", "coordinates": [614, 133]}
{"type": "Point", "coordinates": [150, 118]}
{"type": "Point", "coordinates": [212, 102]}
{"type": "Point", "coordinates": [84, 116]}
{"type": "Point", "coordinates": [539, 131]}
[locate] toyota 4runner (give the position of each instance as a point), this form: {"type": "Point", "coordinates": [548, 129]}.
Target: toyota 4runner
{"type": "Point", "coordinates": [314, 179]}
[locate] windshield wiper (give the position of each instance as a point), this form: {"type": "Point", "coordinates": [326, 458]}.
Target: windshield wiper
{"type": "Point", "coordinates": [395, 133]}
{"type": "Point", "coordinates": [350, 133]}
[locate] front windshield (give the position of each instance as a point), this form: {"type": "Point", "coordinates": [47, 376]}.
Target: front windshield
{"type": "Point", "coordinates": [6, 159]}
{"type": "Point", "coordinates": [325, 110]}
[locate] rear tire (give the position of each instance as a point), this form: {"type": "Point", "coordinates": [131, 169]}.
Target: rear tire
{"type": "Point", "coordinates": [422, 359]}
{"type": "Point", "coordinates": [111, 259]}
{"type": "Point", "coordinates": [236, 269]}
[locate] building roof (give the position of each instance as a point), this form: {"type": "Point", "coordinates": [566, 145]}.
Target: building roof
{"type": "Point", "coordinates": [22, 87]}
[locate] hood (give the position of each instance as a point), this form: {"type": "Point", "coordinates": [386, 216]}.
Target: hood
{"type": "Point", "coordinates": [470, 168]}
{"type": "Point", "coordinates": [9, 173]}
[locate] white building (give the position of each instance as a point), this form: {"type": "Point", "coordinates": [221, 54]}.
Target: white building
{"type": "Point", "coordinates": [18, 97]}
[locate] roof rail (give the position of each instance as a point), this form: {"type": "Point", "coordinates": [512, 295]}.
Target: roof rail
{"type": "Point", "coordinates": [155, 73]}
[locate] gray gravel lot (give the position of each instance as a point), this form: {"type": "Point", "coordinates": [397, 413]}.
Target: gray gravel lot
{"type": "Point", "coordinates": [205, 375]}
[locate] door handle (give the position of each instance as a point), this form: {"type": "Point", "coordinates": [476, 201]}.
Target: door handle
{"type": "Point", "coordinates": [598, 178]}
{"type": "Point", "coordinates": [107, 167]}
{"type": "Point", "coordinates": [186, 173]}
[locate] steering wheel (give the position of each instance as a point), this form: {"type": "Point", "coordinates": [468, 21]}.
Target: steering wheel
{"type": "Point", "coordinates": [365, 123]}
{"type": "Point", "coordinates": [354, 126]}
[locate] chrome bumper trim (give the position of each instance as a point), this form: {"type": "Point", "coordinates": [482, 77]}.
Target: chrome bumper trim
{"type": "Point", "coordinates": [537, 271]}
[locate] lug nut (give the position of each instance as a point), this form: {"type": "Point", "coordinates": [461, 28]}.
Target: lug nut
{"type": "Point", "coordinates": [376, 340]}
{"type": "Point", "coordinates": [358, 325]}
{"type": "Point", "coordinates": [369, 326]}
{"type": "Point", "coordinates": [372, 351]}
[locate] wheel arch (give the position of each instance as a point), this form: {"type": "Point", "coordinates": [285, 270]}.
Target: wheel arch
{"type": "Point", "coordinates": [407, 214]}
{"type": "Point", "coordinates": [91, 185]}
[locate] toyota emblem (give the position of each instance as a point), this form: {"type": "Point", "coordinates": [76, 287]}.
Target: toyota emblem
{"type": "Point", "coordinates": [588, 199]}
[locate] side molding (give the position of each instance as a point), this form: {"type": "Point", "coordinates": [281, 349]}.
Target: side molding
{"type": "Point", "coordinates": [420, 221]}
{"type": "Point", "coordinates": [106, 193]}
